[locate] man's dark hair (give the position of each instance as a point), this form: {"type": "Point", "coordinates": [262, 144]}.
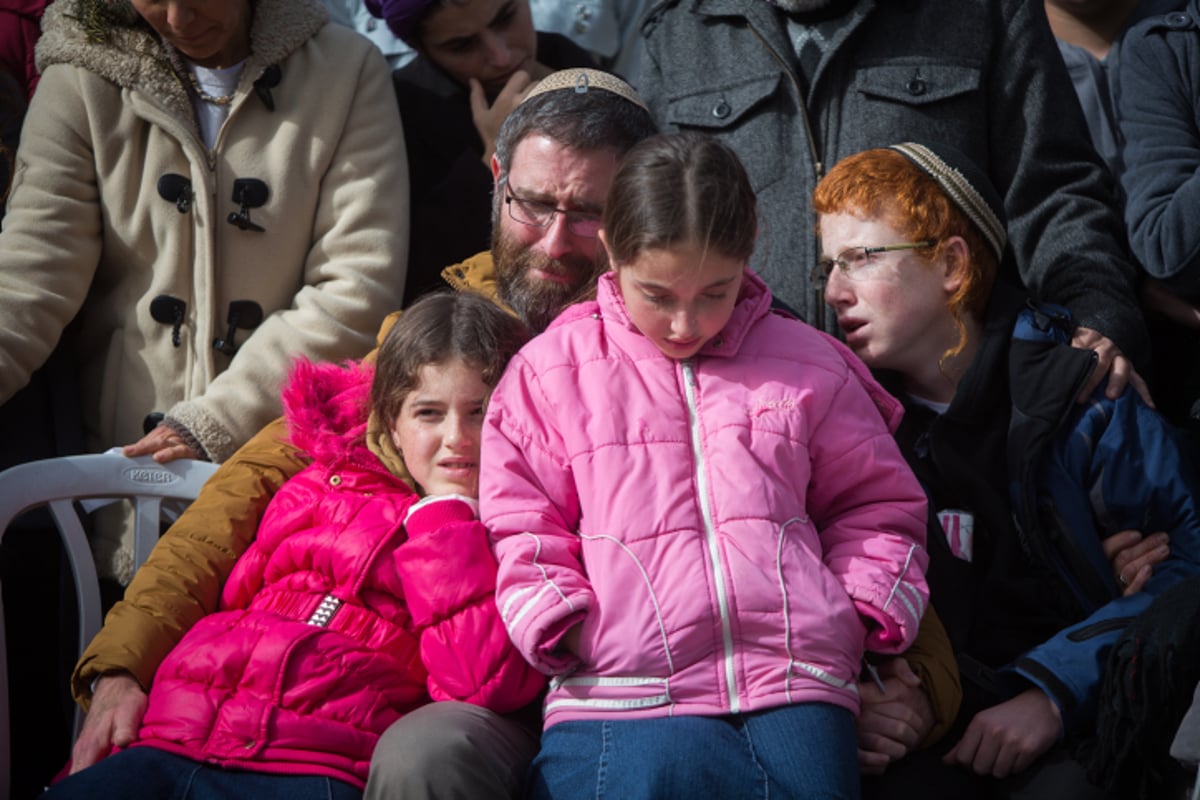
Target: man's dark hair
{"type": "Point", "coordinates": [593, 120]}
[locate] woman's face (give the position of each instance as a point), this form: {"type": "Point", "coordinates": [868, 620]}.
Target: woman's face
{"type": "Point", "coordinates": [211, 33]}
{"type": "Point", "coordinates": [487, 40]}
{"type": "Point", "coordinates": [892, 307]}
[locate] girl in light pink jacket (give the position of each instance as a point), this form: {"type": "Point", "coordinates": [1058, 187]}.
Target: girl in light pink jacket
{"type": "Point", "coordinates": [701, 518]}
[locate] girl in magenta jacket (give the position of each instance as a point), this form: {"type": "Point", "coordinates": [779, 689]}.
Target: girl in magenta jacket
{"type": "Point", "coordinates": [701, 518]}
{"type": "Point", "coordinates": [358, 601]}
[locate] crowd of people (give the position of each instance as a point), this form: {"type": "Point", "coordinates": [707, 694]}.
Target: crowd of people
{"type": "Point", "coordinates": [781, 398]}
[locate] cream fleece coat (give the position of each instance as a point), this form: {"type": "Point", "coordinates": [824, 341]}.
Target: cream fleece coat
{"type": "Point", "coordinates": [89, 236]}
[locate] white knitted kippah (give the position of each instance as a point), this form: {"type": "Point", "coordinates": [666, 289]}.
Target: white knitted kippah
{"type": "Point", "coordinates": [582, 80]}
{"type": "Point", "coordinates": [960, 190]}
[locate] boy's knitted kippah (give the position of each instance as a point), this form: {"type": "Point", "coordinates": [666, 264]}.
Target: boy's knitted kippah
{"type": "Point", "coordinates": [582, 80]}
{"type": "Point", "coordinates": [965, 184]}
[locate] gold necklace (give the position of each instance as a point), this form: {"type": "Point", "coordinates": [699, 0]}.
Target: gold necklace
{"type": "Point", "coordinates": [215, 99]}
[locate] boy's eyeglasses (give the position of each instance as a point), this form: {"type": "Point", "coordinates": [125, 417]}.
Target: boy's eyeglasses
{"type": "Point", "coordinates": [854, 262]}
{"type": "Point", "coordinates": [541, 215]}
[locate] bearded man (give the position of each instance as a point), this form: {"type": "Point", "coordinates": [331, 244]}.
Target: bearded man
{"type": "Point", "coordinates": [555, 158]}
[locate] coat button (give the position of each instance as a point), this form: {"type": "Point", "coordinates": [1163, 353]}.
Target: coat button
{"type": "Point", "coordinates": [916, 87]}
{"type": "Point", "coordinates": [721, 110]}
{"type": "Point", "coordinates": [1178, 20]}
{"type": "Point", "coordinates": [335, 480]}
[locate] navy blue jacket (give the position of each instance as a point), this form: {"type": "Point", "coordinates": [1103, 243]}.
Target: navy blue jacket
{"type": "Point", "coordinates": [1046, 480]}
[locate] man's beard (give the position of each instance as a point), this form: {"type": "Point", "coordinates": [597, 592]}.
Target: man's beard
{"type": "Point", "coordinates": [536, 301]}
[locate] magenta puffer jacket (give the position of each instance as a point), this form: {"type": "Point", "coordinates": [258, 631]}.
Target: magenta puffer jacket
{"type": "Point", "coordinates": [731, 530]}
{"type": "Point", "coordinates": [335, 623]}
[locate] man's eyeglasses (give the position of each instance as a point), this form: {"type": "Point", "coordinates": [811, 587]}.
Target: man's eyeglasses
{"type": "Point", "coordinates": [541, 215]}
{"type": "Point", "coordinates": [855, 262]}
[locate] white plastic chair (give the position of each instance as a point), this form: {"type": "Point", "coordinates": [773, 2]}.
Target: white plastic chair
{"type": "Point", "coordinates": [59, 483]}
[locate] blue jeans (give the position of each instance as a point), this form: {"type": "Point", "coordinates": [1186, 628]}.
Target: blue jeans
{"type": "Point", "coordinates": [804, 751]}
{"type": "Point", "coordinates": [144, 772]}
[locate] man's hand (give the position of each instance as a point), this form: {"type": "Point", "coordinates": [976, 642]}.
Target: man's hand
{"type": "Point", "coordinates": [1133, 558]}
{"type": "Point", "coordinates": [118, 705]}
{"type": "Point", "coordinates": [1004, 740]}
{"type": "Point", "coordinates": [1111, 362]}
{"type": "Point", "coordinates": [489, 118]}
{"type": "Point", "coordinates": [892, 722]}
{"type": "Point", "coordinates": [162, 443]}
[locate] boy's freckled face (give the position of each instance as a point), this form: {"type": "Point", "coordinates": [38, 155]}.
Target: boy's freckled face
{"type": "Point", "coordinates": [439, 426]}
{"type": "Point", "coordinates": [892, 312]}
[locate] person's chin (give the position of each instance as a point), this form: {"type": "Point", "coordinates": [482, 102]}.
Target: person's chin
{"type": "Point", "coordinates": [856, 336]}
{"type": "Point", "coordinates": [547, 277]}
{"type": "Point", "coordinates": [199, 48]}
{"type": "Point", "coordinates": [680, 350]}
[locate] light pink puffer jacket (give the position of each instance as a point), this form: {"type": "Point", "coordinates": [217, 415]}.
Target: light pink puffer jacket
{"type": "Point", "coordinates": [731, 530]}
{"type": "Point", "coordinates": [334, 623]}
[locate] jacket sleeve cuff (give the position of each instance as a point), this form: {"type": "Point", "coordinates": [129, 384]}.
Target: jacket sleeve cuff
{"type": "Point", "coordinates": [883, 632]}
{"type": "Point", "coordinates": [216, 443]}
{"type": "Point", "coordinates": [436, 511]}
{"type": "Point", "coordinates": [552, 658]}
{"type": "Point", "coordinates": [1025, 672]}
{"type": "Point", "coordinates": [181, 430]}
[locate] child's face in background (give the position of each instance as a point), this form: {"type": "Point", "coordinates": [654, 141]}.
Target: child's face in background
{"type": "Point", "coordinates": [438, 428]}
{"type": "Point", "coordinates": [677, 299]}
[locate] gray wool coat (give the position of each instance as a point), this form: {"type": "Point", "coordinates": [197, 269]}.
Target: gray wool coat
{"type": "Point", "coordinates": [983, 76]}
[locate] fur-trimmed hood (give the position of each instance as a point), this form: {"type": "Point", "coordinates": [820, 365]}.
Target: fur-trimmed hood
{"type": "Point", "coordinates": [135, 57]}
{"type": "Point", "coordinates": [326, 406]}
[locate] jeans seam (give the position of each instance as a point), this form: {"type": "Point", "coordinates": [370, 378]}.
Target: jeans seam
{"type": "Point", "coordinates": [602, 767]}
{"type": "Point", "coordinates": [749, 738]}
{"type": "Point", "coordinates": [187, 787]}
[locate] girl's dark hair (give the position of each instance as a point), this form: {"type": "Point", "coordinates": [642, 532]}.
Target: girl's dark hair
{"type": "Point", "coordinates": [677, 188]}
{"type": "Point", "coordinates": [441, 327]}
